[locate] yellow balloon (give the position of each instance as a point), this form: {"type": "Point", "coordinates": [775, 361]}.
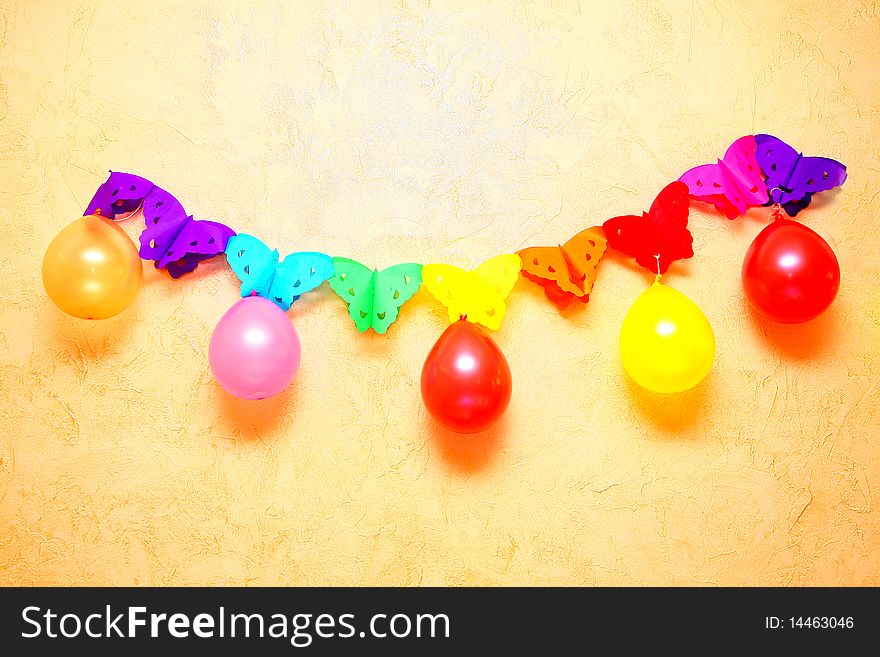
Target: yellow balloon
{"type": "Point", "coordinates": [92, 269]}
{"type": "Point", "coordinates": [666, 342]}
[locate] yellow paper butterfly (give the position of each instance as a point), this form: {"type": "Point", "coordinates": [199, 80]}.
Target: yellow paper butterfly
{"type": "Point", "coordinates": [477, 295]}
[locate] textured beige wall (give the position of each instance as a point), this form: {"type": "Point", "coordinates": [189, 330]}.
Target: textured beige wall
{"type": "Point", "coordinates": [448, 132]}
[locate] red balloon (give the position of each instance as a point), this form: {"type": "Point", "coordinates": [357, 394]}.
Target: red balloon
{"type": "Point", "coordinates": [466, 382]}
{"type": "Point", "coordinates": [790, 273]}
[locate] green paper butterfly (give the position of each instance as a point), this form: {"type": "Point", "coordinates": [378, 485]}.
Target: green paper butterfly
{"type": "Point", "coordinates": [374, 297]}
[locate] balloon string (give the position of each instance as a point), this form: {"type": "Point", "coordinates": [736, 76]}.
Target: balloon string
{"type": "Point", "coordinates": [776, 212]}
{"type": "Point", "coordinates": [657, 257]}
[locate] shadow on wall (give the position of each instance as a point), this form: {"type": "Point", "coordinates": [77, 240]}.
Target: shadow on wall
{"type": "Point", "coordinates": [798, 342]}
{"type": "Point", "coordinates": [671, 414]}
{"type": "Point", "coordinates": [255, 419]}
{"type": "Point", "coordinates": [468, 453]}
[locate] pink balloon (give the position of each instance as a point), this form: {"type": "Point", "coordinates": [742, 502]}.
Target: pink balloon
{"type": "Point", "coordinates": [254, 351]}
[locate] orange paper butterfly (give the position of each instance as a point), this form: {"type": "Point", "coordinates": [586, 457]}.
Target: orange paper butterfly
{"type": "Point", "coordinates": [566, 272]}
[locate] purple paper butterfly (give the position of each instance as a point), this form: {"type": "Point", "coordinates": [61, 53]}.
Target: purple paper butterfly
{"type": "Point", "coordinates": [172, 239]}
{"type": "Point", "coordinates": [792, 178]}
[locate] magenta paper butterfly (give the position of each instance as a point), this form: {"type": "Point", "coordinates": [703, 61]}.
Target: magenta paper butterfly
{"type": "Point", "coordinates": [733, 184]}
{"type": "Point", "coordinates": [762, 170]}
{"type": "Point", "coordinates": [171, 238]}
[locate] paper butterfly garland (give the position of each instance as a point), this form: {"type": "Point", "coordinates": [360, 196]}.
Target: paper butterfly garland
{"type": "Point", "coordinates": [762, 170]}
{"type": "Point", "coordinates": [260, 272]}
{"type": "Point", "coordinates": [566, 272]}
{"type": "Point", "coordinates": [476, 295]}
{"type": "Point", "coordinates": [374, 297]}
{"type": "Point", "coordinates": [793, 178]}
{"type": "Point", "coordinates": [754, 171]}
{"type": "Point", "coordinates": [660, 235]}
{"type": "Point", "coordinates": [171, 238]}
{"type": "Point", "coordinates": [734, 184]}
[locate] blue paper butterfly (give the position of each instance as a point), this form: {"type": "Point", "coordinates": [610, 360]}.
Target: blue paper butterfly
{"type": "Point", "coordinates": [281, 282]}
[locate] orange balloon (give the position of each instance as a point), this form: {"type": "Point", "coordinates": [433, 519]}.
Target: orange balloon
{"type": "Point", "coordinates": [92, 269]}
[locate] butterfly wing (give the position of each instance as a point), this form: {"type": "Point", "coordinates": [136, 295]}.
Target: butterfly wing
{"type": "Point", "coordinates": [298, 273]}
{"type": "Point", "coordinates": [710, 183]}
{"type": "Point", "coordinates": [197, 241]}
{"type": "Point", "coordinates": [812, 175]}
{"type": "Point", "coordinates": [670, 208]}
{"type": "Point", "coordinates": [546, 266]}
{"type": "Point", "coordinates": [493, 282]}
{"type": "Point", "coordinates": [742, 165]}
{"type": "Point", "coordinates": [669, 217]}
{"type": "Point", "coordinates": [449, 285]}
{"type": "Point", "coordinates": [354, 283]}
{"type": "Point", "coordinates": [633, 236]}
{"type": "Point", "coordinates": [659, 236]}
{"type": "Point", "coordinates": [583, 252]}
{"type": "Point", "coordinates": [500, 272]}
{"type": "Point", "coordinates": [394, 287]}
{"type": "Point", "coordinates": [119, 194]}
{"type": "Point", "coordinates": [778, 161]}
{"type": "Point", "coordinates": [253, 262]}
{"type": "Point", "coordinates": [164, 218]}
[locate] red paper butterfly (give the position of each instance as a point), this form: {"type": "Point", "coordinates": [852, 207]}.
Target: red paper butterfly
{"type": "Point", "coordinates": [660, 235]}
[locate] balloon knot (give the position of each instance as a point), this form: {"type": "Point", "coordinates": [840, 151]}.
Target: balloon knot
{"type": "Point", "coordinates": [253, 293]}
{"type": "Point", "coordinates": [462, 318]}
